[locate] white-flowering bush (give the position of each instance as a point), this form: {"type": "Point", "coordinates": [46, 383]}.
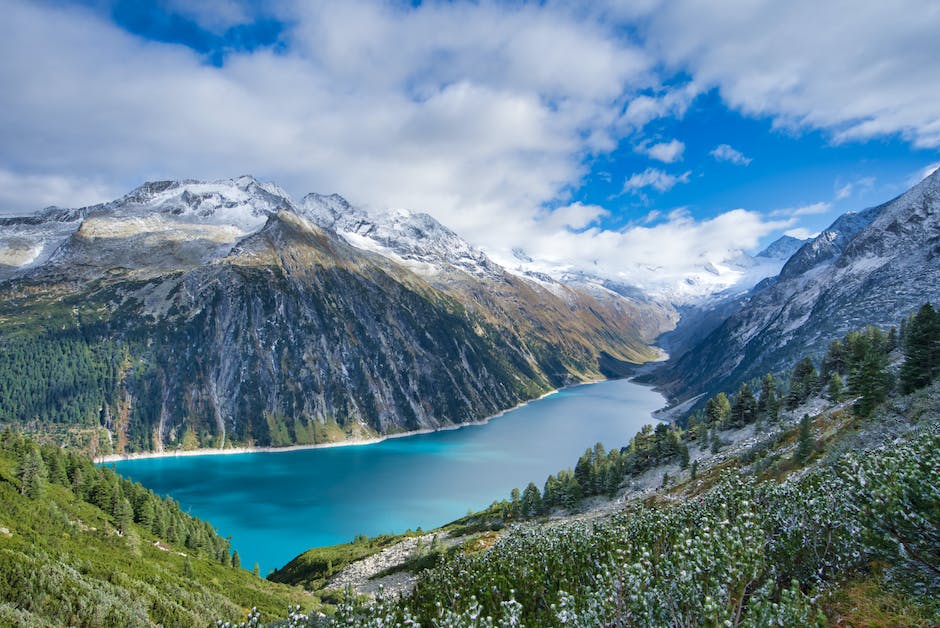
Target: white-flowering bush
{"type": "Point", "coordinates": [743, 554]}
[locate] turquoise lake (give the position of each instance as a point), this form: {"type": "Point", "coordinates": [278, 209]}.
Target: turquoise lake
{"type": "Point", "coordinates": [277, 505]}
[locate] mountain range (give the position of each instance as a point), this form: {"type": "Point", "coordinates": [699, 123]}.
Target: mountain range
{"type": "Point", "coordinates": [193, 314]}
{"type": "Point", "coordinates": [872, 267]}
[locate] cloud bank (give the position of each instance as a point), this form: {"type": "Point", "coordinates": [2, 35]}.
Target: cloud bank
{"type": "Point", "coordinates": [485, 115]}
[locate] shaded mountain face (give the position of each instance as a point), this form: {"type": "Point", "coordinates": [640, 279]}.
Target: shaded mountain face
{"type": "Point", "coordinates": [200, 314]}
{"type": "Point", "coordinates": [871, 267]}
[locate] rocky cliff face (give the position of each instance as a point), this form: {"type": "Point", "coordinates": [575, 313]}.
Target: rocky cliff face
{"type": "Point", "coordinates": [871, 267]}
{"type": "Point", "coordinates": [215, 313]}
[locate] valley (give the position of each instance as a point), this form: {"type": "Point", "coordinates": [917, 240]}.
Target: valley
{"type": "Point", "coordinates": [315, 380]}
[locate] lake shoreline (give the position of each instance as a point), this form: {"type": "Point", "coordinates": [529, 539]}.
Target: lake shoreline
{"type": "Point", "coordinates": [210, 451]}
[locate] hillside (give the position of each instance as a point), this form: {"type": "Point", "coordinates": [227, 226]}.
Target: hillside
{"type": "Point", "coordinates": [190, 314]}
{"type": "Point", "coordinates": [870, 267]}
{"type": "Point", "coordinates": [820, 511]}
{"type": "Point", "coordinates": [81, 547]}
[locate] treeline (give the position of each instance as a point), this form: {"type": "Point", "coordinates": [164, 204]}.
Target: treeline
{"type": "Point", "coordinates": [854, 367]}
{"type": "Point", "coordinates": [125, 501]}
{"type": "Point", "coordinates": [58, 380]}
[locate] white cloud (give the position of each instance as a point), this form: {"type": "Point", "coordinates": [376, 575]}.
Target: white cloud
{"type": "Point", "coordinates": [213, 15]}
{"type": "Point", "coordinates": [41, 190]}
{"type": "Point", "coordinates": [846, 190]}
{"type": "Point", "coordinates": [812, 209]}
{"type": "Point", "coordinates": [658, 257]}
{"type": "Point", "coordinates": [724, 152]}
{"type": "Point", "coordinates": [671, 102]}
{"type": "Point", "coordinates": [858, 70]}
{"type": "Point", "coordinates": [481, 114]}
{"type": "Point", "coordinates": [656, 179]}
{"type": "Point", "coordinates": [801, 233]}
{"type": "Point", "coordinates": [477, 113]}
{"type": "Point", "coordinates": [922, 174]}
{"type": "Point", "coordinates": [666, 152]}
{"type": "Point", "coordinates": [575, 216]}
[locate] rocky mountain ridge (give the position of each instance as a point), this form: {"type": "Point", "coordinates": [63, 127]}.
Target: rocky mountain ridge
{"type": "Point", "coordinates": [870, 267]}
{"type": "Point", "coordinates": [195, 314]}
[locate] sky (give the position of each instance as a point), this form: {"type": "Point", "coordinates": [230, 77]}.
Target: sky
{"type": "Point", "coordinates": [626, 137]}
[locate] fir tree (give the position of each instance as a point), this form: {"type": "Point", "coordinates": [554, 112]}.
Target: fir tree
{"type": "Point", "coordinates": [744, 408]}
{"type": "Point", "coordinates": [921, 350]}
{"type": "Point", "coordinates": [872, 381]}
{"type": "Point", "coordinates": [123, 515]}
{"type": "Point", "coordinates": [683, 456]}
{"type": "Point", "coordinates": [531, 501]}
{"type": "Point", "coordinates": [236, 560]}
{"type": "Point", "coordinates": [835, 388]}
{"type": "Point", "coordinates": [716, 441]}
{"type": "Point", "coordinates": [32, 475]}
{"type": "Point", "coordinates": [806, 442]}
{"type": "Point", "coordinates": [515, 504]}
{"type": "Point", "coordinates": [768, 406]}
{"type": "Point", "coordinates": [717, 409]}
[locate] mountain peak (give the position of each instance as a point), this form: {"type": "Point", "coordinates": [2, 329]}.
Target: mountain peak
{"type": "Point", "coordinates": [413, 238]}
{"type": "Point", "coordinates": [782, 248]}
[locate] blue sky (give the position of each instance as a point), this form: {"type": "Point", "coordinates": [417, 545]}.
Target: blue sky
{"type": "Point", "coordinates": [659, 136]}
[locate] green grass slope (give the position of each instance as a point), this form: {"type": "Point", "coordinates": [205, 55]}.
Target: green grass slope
{"type": "Point", "coordinates": [65, 561]}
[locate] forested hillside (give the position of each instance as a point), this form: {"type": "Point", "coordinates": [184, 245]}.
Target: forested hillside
{"type": "Point", "coordinates": [80, 546]}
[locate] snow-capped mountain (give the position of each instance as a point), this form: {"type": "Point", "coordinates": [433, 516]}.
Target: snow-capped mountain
{"type": "Point", "coordinates": [227, 312]}
{"type": "Point", "coordinates": [712, 282]}
{"type": "Point", "coordinates": [415, 239]}
{"type": "Point", "coordinates": [871, 267]}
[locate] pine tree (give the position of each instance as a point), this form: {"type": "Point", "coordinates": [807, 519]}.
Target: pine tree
{"type": "Point", "coordinates": [768, 406]}
{"type": "Point", "coordinates": [683, 456]}
{"type": "Point", "coordinates": [693, 473]}
{"type": "Point", "coordinates": [515, 504]}
{"type": "Point", "coordinates": [744, 408]}
{"type": "Point", "coordinates": [32, 475]}
{"type": "Point", "coordinates": [872, 381]}
{"type": "Point", "coordinates": [921, 350]}
{"type": "Point", "coordinates": [806, 442]}
{"type": "Point", "coordinates": [717, 409]}
{"type": "Point", "coordinates": [257, 570]}
{"type": "Point", "coordinates": [123, 515]}
{"type": "Point", "coordinates": [835, 388]}
{"type": "Point", "coordinates": [803, 382]}
{"type": "Point", "coordinates": [531, 501]}
{"type": "Point", "coordinates": [236, 560]}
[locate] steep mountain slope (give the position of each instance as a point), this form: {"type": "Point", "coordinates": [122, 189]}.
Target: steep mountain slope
{"type": "Point", "coordinates": [578, 315]}
{"type": "Point", "coordinates": [872, 267]}
{"type": "Point", "coordinates": [699, 319]}
{"type": "Point", "coordinates": [197, 314]}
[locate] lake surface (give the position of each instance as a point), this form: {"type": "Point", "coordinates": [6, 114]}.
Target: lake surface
{"type": "Point", "coordinates": [277, 505]}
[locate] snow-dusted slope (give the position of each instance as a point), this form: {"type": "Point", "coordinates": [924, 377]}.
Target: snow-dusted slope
{"type": "Point", "coordinates": [414, 239]}
{"type": "Point", "coordinates": [708, 284]}
{"type": "Point", "coordinates": [870, 267]}
{"type": "Point", "coordinates": [28, 241]}
{"type": "Point", "coordinates": [159, 226]}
